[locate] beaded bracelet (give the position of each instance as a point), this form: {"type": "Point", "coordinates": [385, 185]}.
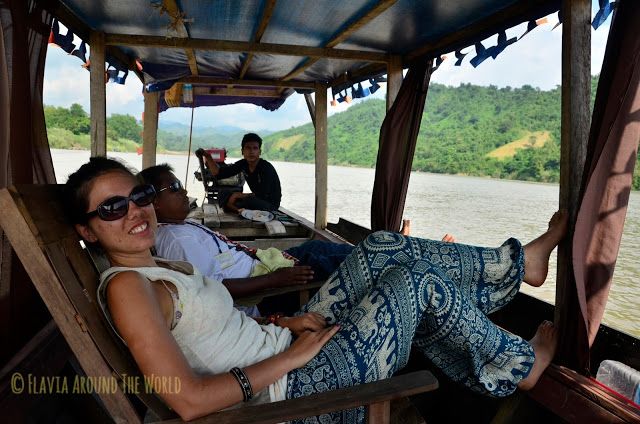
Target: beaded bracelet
{"type": "Point", "coordinates": [243, 381]}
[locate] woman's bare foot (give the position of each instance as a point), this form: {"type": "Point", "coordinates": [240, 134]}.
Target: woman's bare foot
{"type": "Point", "coordinates": [537, 252]}
{"type": "Point", "coordinates": [544, 346]}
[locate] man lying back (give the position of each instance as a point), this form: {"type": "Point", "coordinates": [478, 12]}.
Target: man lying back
{"type": "Point", "coordinates": [242, 270]}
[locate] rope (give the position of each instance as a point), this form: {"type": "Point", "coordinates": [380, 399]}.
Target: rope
{"type": "Point", "coordinates": [186, 177]}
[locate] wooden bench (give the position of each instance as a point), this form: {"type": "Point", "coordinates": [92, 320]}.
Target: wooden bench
{"type": "Point", "coordinates": [49, 248]}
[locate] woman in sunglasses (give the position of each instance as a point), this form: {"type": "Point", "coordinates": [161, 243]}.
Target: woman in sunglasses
{"type": "Point", "coordinates": [392, 293]}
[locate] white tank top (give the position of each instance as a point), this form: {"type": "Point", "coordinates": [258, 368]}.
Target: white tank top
{"type": "Point", "coordinates": [212, 334]}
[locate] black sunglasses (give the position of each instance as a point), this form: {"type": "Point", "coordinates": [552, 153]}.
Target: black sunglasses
{"type": "Point", "coordinates": [175, 187]}
{"type": "Point", "coordinates": [117, 206]}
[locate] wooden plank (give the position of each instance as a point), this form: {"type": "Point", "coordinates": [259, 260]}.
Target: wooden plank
{"type": "Point", "coordinates": [351, 28]}
{"type": "Point", "coordinates": [322, 403]}
{"type": "Point", "coordinates": [174, 12]}
{"type": "Point", "coordinates": [267, 12]}
{"type": "Point", "coordinates": [238, 92]}
{"type": "Point", "coordinates": [308, 226]}
{"type": "Point", "coordinates": [577, 399]}
{"type": "Point", "coordinates": [576, 92]}
{"type": "Point", "coordinates": [98, 107]}
{"type": "Point", "coordinates": [236, 233]}
{"type": "Point", "coordinates": [359, 74]}
{"type": "Point", "coordinates": [394, 79]}
{"type": "Point", "coordinates": [150, 130]}
{"type": "Point", "coordinates": [45, 355]}
{"type": "Point", "coordinates": [348, 230]}
{"type": "Point", "coordinates": [379, 413]}
{"type": "Point", "coordinates": [243, 46]}
{"type": "Point", "coordinates": [322, 156]}
{"type": "Point", "coordinates": [253, 83]}
{"type": "Point", "coordinates": [50, 289]}
{"type": "Point", "coordinates": [311, 106]}
{"type": "Point", "coordinates": [278, 243]}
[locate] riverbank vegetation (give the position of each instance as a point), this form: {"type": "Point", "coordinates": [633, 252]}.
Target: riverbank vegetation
{"type": "Point", "coordinates": [472, 130]}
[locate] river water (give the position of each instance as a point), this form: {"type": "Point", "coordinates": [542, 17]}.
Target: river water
{"type": "Point", "coordinates": [478, 211]}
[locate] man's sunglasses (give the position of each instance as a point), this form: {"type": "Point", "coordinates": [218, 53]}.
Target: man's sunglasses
{"type": "Point", "coordinates": [117, 206]}
{"type": "Point", "coordinates": [175, 187]}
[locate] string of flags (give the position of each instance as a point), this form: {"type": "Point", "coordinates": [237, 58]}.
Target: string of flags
{"type": "Point", "coordinates": [357, 91]}
{"type": "Point", "coordinates": [116, 72]}
{"type": "Point", "coordinates": [340, 94]}
{"type": "Point", "coordinates": [483, 53]}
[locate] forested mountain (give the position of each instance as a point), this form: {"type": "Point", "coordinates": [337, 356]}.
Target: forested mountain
{"type": "Point", "coordinates": [462, 131]}
{"type": "Point", "coordinates": [69, 129]}
{"type": "Point", "coordinates": [473, 130]}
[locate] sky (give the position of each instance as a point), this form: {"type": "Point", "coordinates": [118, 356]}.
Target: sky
{"type": "Point", "coordinates": [533, 60]}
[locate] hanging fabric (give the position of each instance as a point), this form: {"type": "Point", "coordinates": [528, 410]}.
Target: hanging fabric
{"type": "Point", "coordinates": [606, 184]}
{"type": "Point", "coordinates": [398, 136]}
{"type": "Point", "coordinates": [25, 157]}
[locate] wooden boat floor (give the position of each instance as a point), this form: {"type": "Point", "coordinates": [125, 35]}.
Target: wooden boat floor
{"type": "Point", "coordinates": [238, 228]}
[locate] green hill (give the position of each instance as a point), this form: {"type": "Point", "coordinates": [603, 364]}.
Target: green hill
{"type": "Point", "coordinates": [461, 126]}
{"type": "Point", "coordinates": [472, 130]}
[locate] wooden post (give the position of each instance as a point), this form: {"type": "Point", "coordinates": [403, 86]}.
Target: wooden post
{"type": "Point", "coordinates": [576, 88]}
{"type": "Point", "coordinates": [394, 79]}
{"type": "Point", "coordinates": [150, 130]}
{"type": "Point", "coordinates": [322, 153]}
{"type": "Point", "coordinates": [98, 95]}
{"type": "Point", "coordinates": [379, 412]}
{"type": "Point", "coordinates": [312, 107]}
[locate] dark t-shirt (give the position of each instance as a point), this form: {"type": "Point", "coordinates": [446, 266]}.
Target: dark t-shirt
{"type": "Point", "coordinates": [263, 182]}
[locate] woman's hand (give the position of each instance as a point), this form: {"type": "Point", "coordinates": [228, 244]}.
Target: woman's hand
{"type": "Point", "coordinates": [308, 344]}
{"type": "Point", "coordinates": [310, 321]}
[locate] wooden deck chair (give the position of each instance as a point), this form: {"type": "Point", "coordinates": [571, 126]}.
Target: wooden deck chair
{"type": "Point", "coordinates": [32, 218]}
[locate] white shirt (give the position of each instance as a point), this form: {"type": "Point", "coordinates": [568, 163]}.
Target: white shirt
{"type": "Point", "coordinates": [209, 254]}
{"type": "Point", "coordinates": [212, 334]}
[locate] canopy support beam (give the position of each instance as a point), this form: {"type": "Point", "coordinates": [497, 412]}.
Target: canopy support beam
{"type": "Point", "coordinates": [269, 6]}
{"type": "Point", "coordinates": [312, 107]}
{"type": "Point", "coordinates": [150, 130]}
{"type": "Point", "coordinates": [394, 79]}
{"type": "Point", "coordinates": [243, 46]}
{"type": "Point", "coordinates": [228, 82]}
{"type": "Point", "coordinates": [322, 153]}
{"type": "Point", "coordinates": [370, 15]}
{"type": "Point", "coordinates": [174, 12]}
{"type": "Point", "coordinates": [576, 91]}
{"type": "Point", "coordinates": [98, 107]}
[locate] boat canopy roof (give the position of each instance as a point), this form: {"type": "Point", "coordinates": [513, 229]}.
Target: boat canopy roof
{"type": "Point", "coordinates": [279, 46]}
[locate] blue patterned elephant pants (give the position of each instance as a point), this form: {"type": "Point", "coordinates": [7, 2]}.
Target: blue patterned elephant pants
{"type": "Point", "coordinates": [394, 292]}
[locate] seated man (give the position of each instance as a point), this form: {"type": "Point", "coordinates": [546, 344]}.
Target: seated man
{"type": "Point", "coordinates": [260, 175]}
{"type": "Point", "coordinates": [222, 259]}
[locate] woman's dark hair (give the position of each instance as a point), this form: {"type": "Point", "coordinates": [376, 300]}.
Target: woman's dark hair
{"type": "Point", "coordinates": [78, 185]}
{"type": "Point", "coordinates": [153, 175]}
{"type": "Point", "coordinates": [248, 138]}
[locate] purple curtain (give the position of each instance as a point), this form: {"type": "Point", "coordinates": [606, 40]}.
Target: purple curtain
{"type": "Point", "coordinates": [611, 157]}
{"type": "Point", "coordinates": [397, 145]}
{"type": "Point", "coordinates": [24, 153]}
